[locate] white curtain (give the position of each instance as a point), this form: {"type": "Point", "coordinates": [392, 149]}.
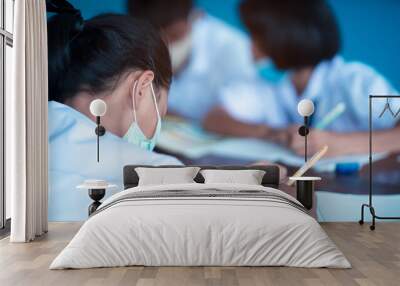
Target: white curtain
{"type": "Point", "coordinates": [26, 117]}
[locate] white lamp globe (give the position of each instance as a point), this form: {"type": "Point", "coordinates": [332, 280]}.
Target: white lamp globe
{"type": "Point", "coordinates": [98, 107]}
{"type": "Point", "coordinates": [305, 107]}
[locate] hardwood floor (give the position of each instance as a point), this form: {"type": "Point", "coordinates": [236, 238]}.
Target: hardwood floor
{"type": "Point", "coordinates": [375, 257]}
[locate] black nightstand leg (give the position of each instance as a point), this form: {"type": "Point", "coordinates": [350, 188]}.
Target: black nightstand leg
{"type": "Point", "coordinates": [96, 195]}
{"type": "Point", "coordinates": [93, 207]}
{"type": "Point", "coordinates": [305, 190]}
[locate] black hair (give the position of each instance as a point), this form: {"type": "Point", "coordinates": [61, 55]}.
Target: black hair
{"type": "Point", "coordinates": [160, 13]}
{"type": "Point", "coordinates": [292, 33]}
{"type": "Point", "coordinates": [92, 55]}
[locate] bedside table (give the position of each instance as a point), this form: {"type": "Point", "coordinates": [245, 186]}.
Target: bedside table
{"type": "Point", "coordinates": [96, 190]}
{"type": "Point", "coordinates": [305, 190]}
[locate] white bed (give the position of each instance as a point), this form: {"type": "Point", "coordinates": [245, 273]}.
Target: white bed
{"type": "Point", "coordinates": [224, 225]}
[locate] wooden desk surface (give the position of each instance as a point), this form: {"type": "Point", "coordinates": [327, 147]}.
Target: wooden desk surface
{"type": "Point", "coordinates": [386, 179]}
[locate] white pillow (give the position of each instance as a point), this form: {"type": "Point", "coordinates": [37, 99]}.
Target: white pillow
{"type": "Point", "coordinates": [166, 176]}
{"type": "Point", "coordinates": [248, 177]}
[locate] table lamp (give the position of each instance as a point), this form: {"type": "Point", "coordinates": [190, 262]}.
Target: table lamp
{"type": "Point", "coordinates": [305, 108]}
{"type": "Point", "coordinates": [98, 108]}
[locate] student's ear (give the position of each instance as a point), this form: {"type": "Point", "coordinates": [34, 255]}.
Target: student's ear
{"type": "Point", "coordinates": [144, 81]}
{"type": "Point", "coordinates": [140, 86]}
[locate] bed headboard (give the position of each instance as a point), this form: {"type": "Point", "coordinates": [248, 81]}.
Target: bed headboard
{"type": "Point", "coordinates": [270, 179]}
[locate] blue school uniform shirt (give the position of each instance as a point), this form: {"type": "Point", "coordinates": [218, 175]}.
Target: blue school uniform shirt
{"type": "Point", "coordinates": [72, 159]}
{"type": "Point", "coordinates": [220, 55]}
{"type": "Point", "coordinates": [331, 82]}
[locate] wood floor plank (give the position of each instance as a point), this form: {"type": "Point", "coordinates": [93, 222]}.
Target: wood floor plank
{"type": "Point", "coordinates": [375, 257]}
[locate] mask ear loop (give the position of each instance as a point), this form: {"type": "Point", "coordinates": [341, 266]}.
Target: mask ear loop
{"type": "Point", "coordinates": [133, 101]}
{"type": "Point", "coordinates": [154, 98]}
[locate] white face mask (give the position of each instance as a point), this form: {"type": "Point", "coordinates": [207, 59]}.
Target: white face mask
{"type": "Point", "coordinates": [180, 51]}
{"type": "Point", "coordinates": [135, 135]}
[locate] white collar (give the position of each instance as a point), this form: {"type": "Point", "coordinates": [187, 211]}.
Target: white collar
{"type": "Point", "coordinates": [313, 90]}
{"type": "Point", "coordinates": [315, 84]}
{"type": "Point", "coordinates": [320, 76]}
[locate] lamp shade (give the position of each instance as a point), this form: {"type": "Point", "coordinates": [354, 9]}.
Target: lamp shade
{"type": "Point", "coordinates": [305, 107]}
{"type": "Point", "coordinates": [98, 107]}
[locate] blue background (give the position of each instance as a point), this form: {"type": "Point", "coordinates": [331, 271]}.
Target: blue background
{"type": "Point", "coordinates": [370, 28]}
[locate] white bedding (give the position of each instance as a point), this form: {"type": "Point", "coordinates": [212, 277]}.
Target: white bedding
{"type": "Point", "coordinates": [183, 231]}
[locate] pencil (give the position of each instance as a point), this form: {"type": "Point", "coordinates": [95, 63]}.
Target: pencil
{"type": "Point", "coordinates": [331, 116]}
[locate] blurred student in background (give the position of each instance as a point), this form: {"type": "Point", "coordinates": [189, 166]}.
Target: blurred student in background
{"type": "Point", "coordinates": [205, 53]}
{"type": "Point", "coordinates": [296, 43]}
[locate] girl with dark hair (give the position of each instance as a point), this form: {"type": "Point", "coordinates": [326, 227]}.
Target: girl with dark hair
{"type": "Point", "coordinates": [296, 46]}
{"type": "Point", "coordinates": [125, 63]}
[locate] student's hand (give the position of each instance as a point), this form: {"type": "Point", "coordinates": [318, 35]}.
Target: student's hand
{"type": "Point", "coordinates": [282, 169]}
{"type": "Point", "coordinates": [317, 139]}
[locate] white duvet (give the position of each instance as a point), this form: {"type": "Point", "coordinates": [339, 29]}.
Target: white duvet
{"type": "Point", "coordinates": [191, 231]}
